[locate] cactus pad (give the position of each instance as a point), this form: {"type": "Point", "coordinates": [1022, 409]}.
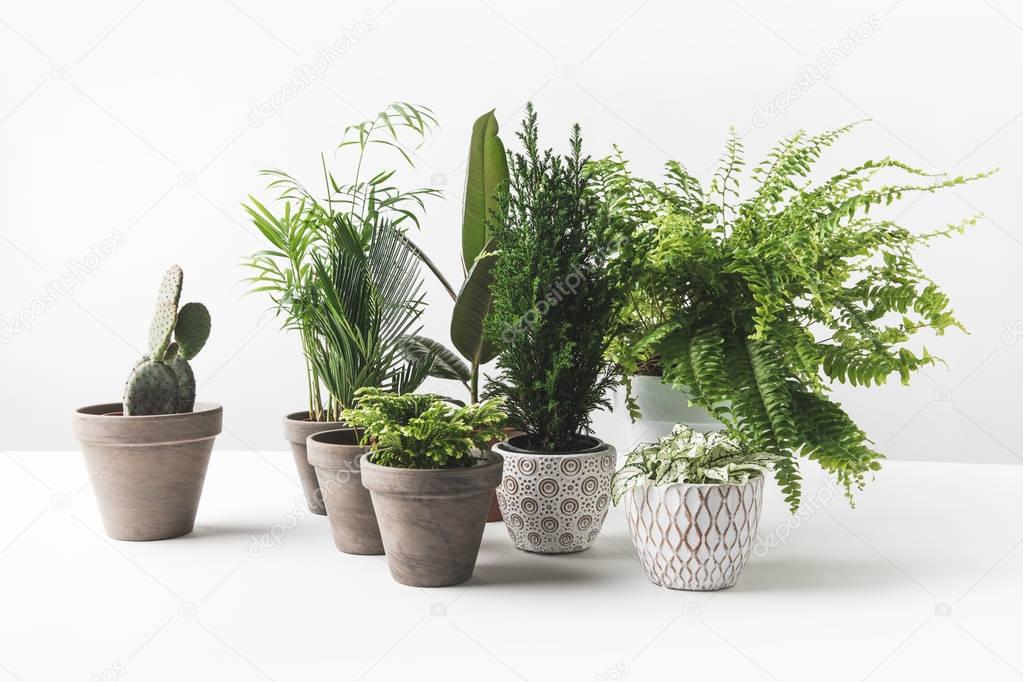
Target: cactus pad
{"type": "Point", "coordinates": [170, 287]}
{"type": "Point", "coordinates": [171, 352]}
{"type": "Point", "coordinates": [161, 328]}
{"type": "Point", "coordinates": [192, 329]}
{"type": "Point", "coordinates": [152, 389]}
{"type": "Point", "coordinates": [186, 383]}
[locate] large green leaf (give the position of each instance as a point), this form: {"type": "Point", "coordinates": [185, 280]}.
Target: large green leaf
{"type": "Point", "coordinates": [471, 308]}
{"type": "Point", "coordinates": [444, 364]}
{"type": "Point", "coordinates": [487, 171]}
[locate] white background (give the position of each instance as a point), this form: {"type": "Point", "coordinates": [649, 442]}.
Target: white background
{"type": "Point", "coordinates": [133, 118]}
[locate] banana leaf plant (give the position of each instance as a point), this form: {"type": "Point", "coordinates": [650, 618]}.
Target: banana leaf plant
{"type": "Point", "coordinates": [486, 178]}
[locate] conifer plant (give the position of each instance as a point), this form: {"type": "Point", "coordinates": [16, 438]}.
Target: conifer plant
{"type": "Point", "coordinates": [555, 301]}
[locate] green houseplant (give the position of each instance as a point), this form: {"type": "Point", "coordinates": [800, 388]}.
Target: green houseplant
{"type": "Point", "coordinates": [342, 272]}
{"type": "Point", "coordinates": [430, 480]}
{"type": "Point", "coordinates": [147, 455]}
{"type": "Point", "coordinates": [705, 488]}
{"type": "Point", "coordinates": [555, 311]}
{"type": "Point", "coordinates": [754, 305]}
{"type": "Point", "coordinates": [486, 178]}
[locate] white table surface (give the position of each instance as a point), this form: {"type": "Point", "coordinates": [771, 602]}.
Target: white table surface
{"type": "Point", "coordinates": [923, 580]}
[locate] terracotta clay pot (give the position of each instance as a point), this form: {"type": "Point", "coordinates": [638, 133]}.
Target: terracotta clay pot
{"type": "Point", "coordinates": [432, 520]}
{"type": "Point", "coordinates": [147, 472]}
{"type": "Point", "coordinates": [297, 429]}
{"type": "Point", "coordinates": [335, 455]}
{"type": "Point", "coordinates": [694, 536]}
{"type": "Point", "coordinates": [555, 503]}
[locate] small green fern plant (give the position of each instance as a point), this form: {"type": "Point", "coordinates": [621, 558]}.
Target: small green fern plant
{"type": "Point", "coordinates": [754, 305]}
{"type": "Point", "coordinates": [419, 431]}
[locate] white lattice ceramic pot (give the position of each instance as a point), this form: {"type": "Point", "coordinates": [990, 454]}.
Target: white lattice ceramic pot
{"type": "Point", "coordinates": [694, 537]}
{"type": "Point", "coordinates": [555, 503]}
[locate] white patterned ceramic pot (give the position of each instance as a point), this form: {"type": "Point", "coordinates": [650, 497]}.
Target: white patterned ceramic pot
{"type": "Point", "coordinates": [694, 537]}
{"type": "Point", "coordinates": [555, 503]}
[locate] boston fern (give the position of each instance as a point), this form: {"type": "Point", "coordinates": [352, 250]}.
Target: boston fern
{"type": "Point", "coordinates": [754, 305]}
{"type": "Point", "coordinates": [555, 303]}
{"type": "Point", "coordinates": [416, 431]}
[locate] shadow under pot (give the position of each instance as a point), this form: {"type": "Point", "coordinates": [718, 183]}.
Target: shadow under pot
{"type": "Point", "coordinates": [555, 503]}
{"type": "Point", "coordinates": [694, 536]}
{"type": "Point", "coordinates": [335, 455]}
{"type": "Point", "coordinates": [148, 471]}
{"type": "Point", "coordinates": [432, 520]}
{"type": "Point", "coordinates": [297, 429]}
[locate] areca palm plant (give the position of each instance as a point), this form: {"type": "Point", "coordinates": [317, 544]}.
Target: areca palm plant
{"type": "Point", "coordinates": [754, 305]}
{"type": "Point", "coordinates": [341, 269]}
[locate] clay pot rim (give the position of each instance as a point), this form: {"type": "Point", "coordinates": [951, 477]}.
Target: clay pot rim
{"type": "Point", "coordinates": [647, 483]}
{"type": "Point", "coordinates": [319, 436]}
{"type": "Point", "coordinates": [96, 426]}
{"type": "Point", "coordinates": [302, 417]}
{"type": "Point", "coordinates": [103, 411]}
{"type": "Point", "coordinates": [491, 459]}
{"type": "Point", "coordinates": [324, 454]}
{"type": "Point", "coordinates": [599, 448]}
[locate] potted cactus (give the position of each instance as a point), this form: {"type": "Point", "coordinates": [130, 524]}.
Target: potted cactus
{"type": "Point", "coordinates": [342, 273]}
{"type": "Point", "coordinates": [430, 478]}
{"type": "Point", "coordinates": [147, 456]}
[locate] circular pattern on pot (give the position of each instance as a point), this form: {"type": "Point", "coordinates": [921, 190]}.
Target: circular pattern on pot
{"type": "Point", "coordinates": [571, 466]}
{"type": "Point", "coordinates": [548, 487]}
{"type": "Point", "coordinates": [555, 503]}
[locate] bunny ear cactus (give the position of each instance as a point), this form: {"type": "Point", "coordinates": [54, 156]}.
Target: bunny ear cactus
{"type": "Point", "coordinates": [162, 382]}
